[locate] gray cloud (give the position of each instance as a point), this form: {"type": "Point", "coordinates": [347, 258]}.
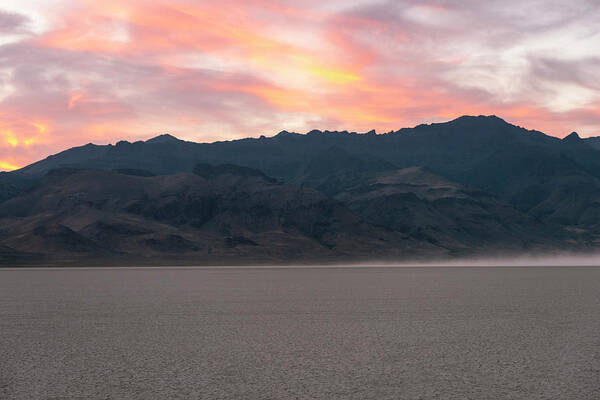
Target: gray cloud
{"type": "Point", "coordinates": [584, 72]}
{"type": "Point", "coordinates": [12, 23]}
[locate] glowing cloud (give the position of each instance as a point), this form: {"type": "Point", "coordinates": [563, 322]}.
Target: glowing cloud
{"type": "Point", "coordinates": [8, 166]}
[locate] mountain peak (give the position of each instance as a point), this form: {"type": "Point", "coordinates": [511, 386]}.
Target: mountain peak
{"type": "Point", "coordinates": [285, 133]}
{"type": "Point", "coordinates": [164, 138]}
{"type": "Point", "coordinates": [572, 137]}
{"type": "Point", "coordinates": [490, 118]}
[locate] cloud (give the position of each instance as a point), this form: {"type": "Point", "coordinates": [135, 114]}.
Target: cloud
{"type": "Point", "coordinates": [584, 72]}
{"type": "Point", "coordinates": [13, 23]}
{"type": "Point", "coordinates": [121, 69]}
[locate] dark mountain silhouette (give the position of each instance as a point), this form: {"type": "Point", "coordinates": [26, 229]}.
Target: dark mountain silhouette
{"type": "Point", "coordinates": [593, 141]}
{"type": "Point", "coordinates": [11, 184]}
{"type": "Point", "coordinates": [164, 138]}
{"type": "Point", "coordinates": [334, 169]}
{"type": "Point", "coordinates": [473, 184]}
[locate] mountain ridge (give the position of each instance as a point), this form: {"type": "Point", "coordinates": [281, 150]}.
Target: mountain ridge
{"type": "Point", "coordinates": [471, 185]}
{"type": "Point", "coordinates": [94, 150]}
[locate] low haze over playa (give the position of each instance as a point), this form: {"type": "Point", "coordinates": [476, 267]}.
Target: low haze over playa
{"type": "Point", "coordinates": [73, 72]}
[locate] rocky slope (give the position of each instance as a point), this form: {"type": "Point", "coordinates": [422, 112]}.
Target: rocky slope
{"type": "Point", "coordinates": [215, 215]}
{"type": "Point", "coordinates": [462, 219]}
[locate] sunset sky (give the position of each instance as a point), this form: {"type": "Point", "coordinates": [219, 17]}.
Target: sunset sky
{"type": "Point", "coordinates": [73, 72]}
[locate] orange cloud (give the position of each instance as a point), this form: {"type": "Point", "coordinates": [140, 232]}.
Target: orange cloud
{"type": "Point", "coordinates": [73, 99]}
{"type": "Point", "coordinates": [8, 166]}
{"type": "Point", "coordinates": [20, 141]}
{"type": "Point", "coordinates": [10, 138]}
{"type": "Point", "coordinates": [181, 27]}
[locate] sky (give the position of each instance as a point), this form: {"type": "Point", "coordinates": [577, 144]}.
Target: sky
{"type": "Point", "coordinates": [75, 72]}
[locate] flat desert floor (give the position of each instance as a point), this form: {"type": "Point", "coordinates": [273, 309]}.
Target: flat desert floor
{"type": "Point", "coordinates": [301, 333]}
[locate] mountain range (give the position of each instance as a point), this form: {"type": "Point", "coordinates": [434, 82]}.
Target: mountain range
{"type": "Point", "coordinates": [476, 185]}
